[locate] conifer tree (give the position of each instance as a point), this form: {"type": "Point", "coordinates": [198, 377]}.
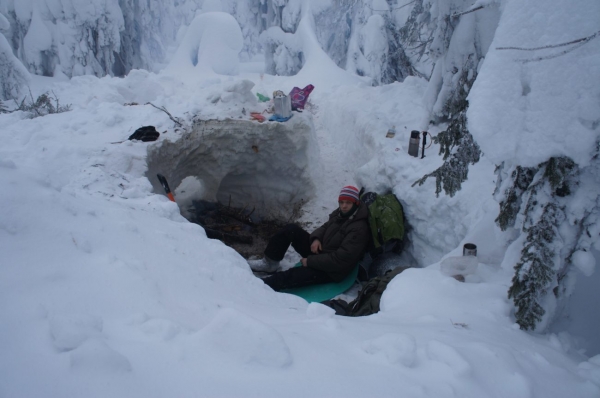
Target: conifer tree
{"type": "Point", "coordinates": [544, 264]}
{"type": "Point", "coordinates": [535, 273]}
{"type": "Point", "coordinates": [511, 204]}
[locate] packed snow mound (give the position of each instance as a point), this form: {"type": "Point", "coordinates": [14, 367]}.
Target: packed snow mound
{"type": "Point", "coordinates": [211, 43]}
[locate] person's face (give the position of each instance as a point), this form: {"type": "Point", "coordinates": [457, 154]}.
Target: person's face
{"type": "Point", "coordinates": [345, 205]}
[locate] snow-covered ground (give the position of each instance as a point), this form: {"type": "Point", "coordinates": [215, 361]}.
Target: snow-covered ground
{"type": "Point", "coordinates": [106, 290]}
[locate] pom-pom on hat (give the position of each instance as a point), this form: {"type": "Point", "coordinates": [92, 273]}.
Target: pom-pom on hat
{"type": "Point", "coordinates": [349, 193]}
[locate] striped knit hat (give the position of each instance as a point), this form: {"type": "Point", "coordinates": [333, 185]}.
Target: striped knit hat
{"type": "Point", "coordinates": [349, 193]}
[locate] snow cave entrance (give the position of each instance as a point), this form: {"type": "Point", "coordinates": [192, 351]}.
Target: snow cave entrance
{"type": "Point", "coordinates": [241, 180]}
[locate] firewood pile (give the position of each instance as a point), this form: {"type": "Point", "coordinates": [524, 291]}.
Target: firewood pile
{"type": "Point", "coordinates": [236, 227]}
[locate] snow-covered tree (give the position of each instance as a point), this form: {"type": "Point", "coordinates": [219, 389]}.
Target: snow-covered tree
{"type": "Point", "coordinates": [94, 37]}
{"type": "Point", "coordinates": [366, 39]}
{"type": "Point", "coordinates": [283, 53]}
{"type": "Point", "coordinates": [447, 35]}
{"type": "Point", "coordinates": [249, 14]}
{"type": "Point", "coordinates": [13, 75]}
{"type": "Point", "coordinates": [112, 37]}
{"type": "Point", "coordinates": [457, 146]}
{"type": "Point", "coordinates": [543, 214]}
{"type": "Point", "coordinates": [73, 38]}
{"type": "Point", "coordinates": [282, 49]}
{"type": "Point", "coordinates": [361, 36]}
{"type": "Point", "coordinates": [545, 141]}
{"type": "Point", "coordinates": [368, 52]}
{"type": "Point", "coordinates": [147, 29]}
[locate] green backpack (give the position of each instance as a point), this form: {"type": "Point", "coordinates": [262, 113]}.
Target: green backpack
{"type": "Point", "coordinates": [386, 219]}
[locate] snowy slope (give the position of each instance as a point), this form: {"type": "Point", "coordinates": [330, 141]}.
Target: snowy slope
{"type": "Point", "coordinates": [107, 290]}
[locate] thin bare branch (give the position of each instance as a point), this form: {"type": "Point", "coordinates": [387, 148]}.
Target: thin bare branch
{"type": "Point", "coordinates": [466, 12]}
{"type": "Point", "coordinates": [167, 112]}
{"type": "Point", "coordinates": [391, 8]}
{"type": "Point", "coordinates": [581, 40]}
{"type": "Point", "coordinates": [559, 54]}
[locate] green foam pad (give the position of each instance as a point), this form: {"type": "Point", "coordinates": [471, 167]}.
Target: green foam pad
{"type": "Point", "coordinates": [324, 291]}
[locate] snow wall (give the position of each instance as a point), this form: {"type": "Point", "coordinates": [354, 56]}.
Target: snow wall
{"type": "Point", "coordinates": [266, 166]}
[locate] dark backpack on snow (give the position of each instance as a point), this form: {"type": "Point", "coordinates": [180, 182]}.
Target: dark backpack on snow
{"type": "Point", "coordinates": [145, 134]}
{"type": "Point", "coordinates": [368, 299]}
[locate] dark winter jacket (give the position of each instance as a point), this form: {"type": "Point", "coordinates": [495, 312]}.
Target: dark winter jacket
{"type": "Point", "coordinates": [344, 241]}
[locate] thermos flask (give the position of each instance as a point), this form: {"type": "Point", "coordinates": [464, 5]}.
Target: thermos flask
{"type": "Point", "coordinates": [413, 143]}
{"type": "Point", "coordinates": [283, 104]}
{"type": "Point", "coordinates": [469, 249]}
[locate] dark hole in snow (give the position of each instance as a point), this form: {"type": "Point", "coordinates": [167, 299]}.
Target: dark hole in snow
{"type": "Point", "coordinates": [241, 180]}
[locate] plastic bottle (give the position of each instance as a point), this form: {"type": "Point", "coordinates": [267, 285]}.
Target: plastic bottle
{"type": "Point", "coordinates": [391, 132]}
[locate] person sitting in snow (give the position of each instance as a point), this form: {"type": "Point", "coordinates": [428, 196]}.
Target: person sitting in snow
{"type": "Point", "coordinates": [329, 254]}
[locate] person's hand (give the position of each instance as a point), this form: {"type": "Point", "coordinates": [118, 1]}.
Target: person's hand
{"type": "Point", "coordinates": [304, 262]}
{"type": "Point", "coordinates": [316, 246]}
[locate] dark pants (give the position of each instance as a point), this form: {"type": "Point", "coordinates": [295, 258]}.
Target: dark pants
{"type": "Point", "coordinates": [279, 243]}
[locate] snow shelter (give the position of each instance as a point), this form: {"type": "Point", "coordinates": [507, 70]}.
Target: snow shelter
{"type": "Point", "coordinates": [241, 163]}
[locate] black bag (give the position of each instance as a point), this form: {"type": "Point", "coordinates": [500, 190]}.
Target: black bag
{"type": "Point", "coordinates": [145, 134]}
{"type": "Point", "coordinates": [368, 299]}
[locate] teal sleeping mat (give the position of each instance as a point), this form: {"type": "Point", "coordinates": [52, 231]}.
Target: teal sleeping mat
{"type": "Point", "coordinates": [325, 291]}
